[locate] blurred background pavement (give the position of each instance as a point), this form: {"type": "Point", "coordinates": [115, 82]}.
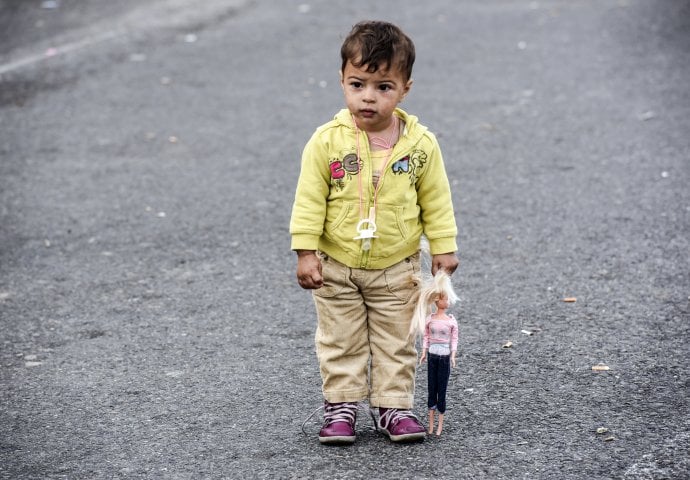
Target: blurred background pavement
{"type": "Point", "coordinates": [150, 322]}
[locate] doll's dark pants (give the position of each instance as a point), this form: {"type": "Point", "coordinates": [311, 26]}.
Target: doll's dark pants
{"type": "Point", "coordinates": [438, 375]}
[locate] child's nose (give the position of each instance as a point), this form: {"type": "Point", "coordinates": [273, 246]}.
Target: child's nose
{"type": "Point", "coordinates": [369, 94]}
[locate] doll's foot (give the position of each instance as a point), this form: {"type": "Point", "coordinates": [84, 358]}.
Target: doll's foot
{"type": "Point", "coordinates": [440, 425]}
{"type": "Point", "coordinates": [339, 423]}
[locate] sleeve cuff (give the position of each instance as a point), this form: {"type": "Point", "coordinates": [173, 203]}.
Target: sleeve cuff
{"type": "Point", "coordinates": [304, 242]}
{"type": "Point", "coordinates": [438, 246]}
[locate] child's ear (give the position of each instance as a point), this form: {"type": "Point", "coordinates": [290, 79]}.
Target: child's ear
{"type": "Point", "coordinates": [342, 80]}
{"type": "Point", "coordinates": [407, 87]}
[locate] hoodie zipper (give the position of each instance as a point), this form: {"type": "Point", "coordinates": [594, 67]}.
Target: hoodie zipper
{"type": "Point", "coordinates": [364, 256]}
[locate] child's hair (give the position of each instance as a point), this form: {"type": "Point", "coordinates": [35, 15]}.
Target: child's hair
{"type": "Point", "coordinates": [377, 45]}
{"type": "Point", "coordinates": [437, 287]}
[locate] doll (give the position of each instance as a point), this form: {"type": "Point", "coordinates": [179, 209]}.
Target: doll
{"type": "Point", "coordinates": [440, 341]}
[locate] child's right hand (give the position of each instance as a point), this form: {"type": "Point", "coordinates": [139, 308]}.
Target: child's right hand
{"type": "Point", "coordinates": [423, 357]}
{"type": "Point", "coordinates": [309, 270]}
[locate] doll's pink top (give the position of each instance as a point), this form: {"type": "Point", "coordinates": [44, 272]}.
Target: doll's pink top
{"type": "Point", "coordinates": [441, 332]}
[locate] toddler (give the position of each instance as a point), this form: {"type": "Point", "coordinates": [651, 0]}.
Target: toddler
{"type": "Point", "coordinates": [372, 181]}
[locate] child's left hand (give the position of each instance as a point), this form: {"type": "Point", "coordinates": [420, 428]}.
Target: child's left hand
{"type": "Point", "coordinates": [444, 261]}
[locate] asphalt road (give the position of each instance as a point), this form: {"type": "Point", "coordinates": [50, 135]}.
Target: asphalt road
{"type": "Point", "coordinates": [150, 322]}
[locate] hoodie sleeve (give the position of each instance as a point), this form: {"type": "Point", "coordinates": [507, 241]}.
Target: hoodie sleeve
{"type": "Point", "coordinates": [435, 202]}
{"type": "Point", "coordinates": [313, 186]}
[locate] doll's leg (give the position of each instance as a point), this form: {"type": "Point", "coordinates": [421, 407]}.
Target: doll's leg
{"type": "Point", "coordinates": [443, 377]}
{"type": "Point", "coordinates": [432, 386]}
{"type": "Point", "coordinates": [440, 425]}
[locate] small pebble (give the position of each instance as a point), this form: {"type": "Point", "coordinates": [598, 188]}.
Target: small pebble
{"type": "Point", "coordinates": [643, 117]}
{"type": "Point", "coordinates": [601, 368]}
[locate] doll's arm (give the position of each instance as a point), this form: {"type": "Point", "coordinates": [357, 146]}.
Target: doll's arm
{"type": "Point", "coordinates": [453, 340]}
{"type": "Point", "coordinates": [423, 357]}
{"type": "Point", "coordinates": [425, 341]}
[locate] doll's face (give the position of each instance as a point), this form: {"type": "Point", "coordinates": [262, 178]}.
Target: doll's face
{"type": "Point", "coordinates": [442, 302]}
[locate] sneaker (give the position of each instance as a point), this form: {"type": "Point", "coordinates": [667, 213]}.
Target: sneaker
{"type": "Point", "coordinates": [339, 423]}
{"type": "Point", "coordinates": [400, 425]}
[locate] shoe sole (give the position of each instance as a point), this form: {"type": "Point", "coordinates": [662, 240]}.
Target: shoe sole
{"type": "Point", "coordinates": [339, 440]}
{"type": "Point", "coordinates": [407, 437]}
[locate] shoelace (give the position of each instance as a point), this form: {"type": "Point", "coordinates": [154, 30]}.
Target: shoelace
{"type": "Point", "coordinates": [392, 416]}
{"type": "Point", "coordinates": [344, 412]}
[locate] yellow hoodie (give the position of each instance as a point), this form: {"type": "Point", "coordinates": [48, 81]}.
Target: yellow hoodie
{"type": "Point", "coordinates": [335, 191]}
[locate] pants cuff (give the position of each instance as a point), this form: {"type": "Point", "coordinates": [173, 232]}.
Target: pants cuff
{"type": "Point", "coordinates": [345, 396]}
{"type": "Point", "coordinates": [406, 402]}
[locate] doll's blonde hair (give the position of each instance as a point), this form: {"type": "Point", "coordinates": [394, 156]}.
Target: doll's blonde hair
{"type": "Point", "coordinates": [438, 286]}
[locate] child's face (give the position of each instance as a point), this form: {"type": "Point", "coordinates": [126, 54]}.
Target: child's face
{"type": "Point", "coordinates": [372, 97]}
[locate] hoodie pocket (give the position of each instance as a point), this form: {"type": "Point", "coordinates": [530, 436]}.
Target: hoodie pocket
{"type": "Point", "coordinates": [341, 226]}
{"type": "Point", "coordinates": [389, 220]}
{"type": "Point", "coordinates": [393, 229]}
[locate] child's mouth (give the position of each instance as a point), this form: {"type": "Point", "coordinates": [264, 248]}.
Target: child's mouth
{"type": "Point", "coordinates": [367, 113]}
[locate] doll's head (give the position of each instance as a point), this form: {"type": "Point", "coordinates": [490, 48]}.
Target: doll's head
{"type": "Point", "coordinates": [438, 292]}
{"type": "Point", "coordinates": [442, 302]}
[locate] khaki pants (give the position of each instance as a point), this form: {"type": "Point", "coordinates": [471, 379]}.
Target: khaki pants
{"type": "Point", "coordinates": [363, 331]}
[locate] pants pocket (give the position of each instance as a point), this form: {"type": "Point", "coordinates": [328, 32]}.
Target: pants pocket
{"type": "Point", "coordinates": [334, 276]}
{"type": "Point", "coordinates": [402, 278]}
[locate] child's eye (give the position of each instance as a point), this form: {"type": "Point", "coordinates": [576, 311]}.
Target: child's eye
{"type": "Point", "coordinates": [385, 87]}
{"type": "Point", "coordinates": [356, 84]}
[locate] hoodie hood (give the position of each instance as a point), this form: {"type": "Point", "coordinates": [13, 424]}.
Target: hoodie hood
{"type": "Point", "coordinates": [411, 134]}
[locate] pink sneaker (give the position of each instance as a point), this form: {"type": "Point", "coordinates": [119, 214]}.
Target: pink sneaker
{"type": "Point", "coordinates": [339, 423]}
{"type": "Point", "coordinates": [400, 425]}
